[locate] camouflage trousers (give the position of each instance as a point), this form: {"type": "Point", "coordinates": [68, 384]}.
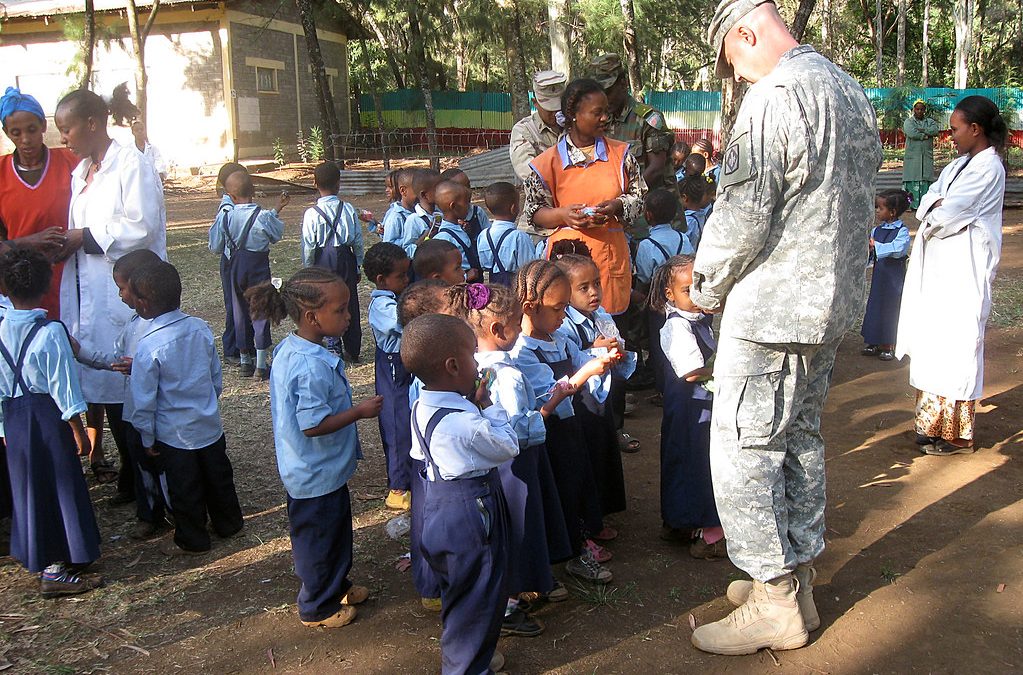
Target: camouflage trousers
{"type": "Point", "coordinates": [767, 453]}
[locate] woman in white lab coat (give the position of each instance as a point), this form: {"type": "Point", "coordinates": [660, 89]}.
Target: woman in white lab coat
{"type": "Point", "coordinates": [116, 207]}
{"type": "Point", "coordinates": [947, 296]}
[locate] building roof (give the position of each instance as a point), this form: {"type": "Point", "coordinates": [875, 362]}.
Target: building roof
{"type": "Point", "coordinates": [10, 9]}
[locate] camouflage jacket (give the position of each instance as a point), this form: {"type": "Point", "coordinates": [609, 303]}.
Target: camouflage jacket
{"type": "Point", "coordinates": [529, 138]}
{"type": "Point", "coordinates": [645, 129]}
{"type": "Point", "coordinates": [786, 246]}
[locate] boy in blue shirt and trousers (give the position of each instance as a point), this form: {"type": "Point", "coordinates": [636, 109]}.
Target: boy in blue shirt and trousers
{"type": "Point", "coordinates": [453, 201]}
{"type": "Point", "coordinates": [462, 438]}
{"type": "Point", "coordinates": [175, 386]}
{"type": "Point", "coordinates": [332, 238]}
{"type": "Point", "coordinates": [243, 235]}
{"type": "Point", "coordinates": [502, 247]}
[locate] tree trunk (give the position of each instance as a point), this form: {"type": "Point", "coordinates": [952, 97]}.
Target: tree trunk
{"type": "Point", "coordinates": [631, 50]}
{"type": "Point", "coordinates": [963, 13]}
{"type": "Point", "coordinates": [461, 62]}
{"type": "Point", "coordinates": [558, 15]}
{"type": "Point", "coordinates": [378, 105]}
{"type": "Point", "coordinates": [879, 43]}
{"type": "Point", "coordinates": [324, 101]}
{"type": "Point", "coordinates": [511, 29]}
{"type": "Point", "coordinates": [88, 43]}
{"type": "Point", "coordinates": [900, 77]}
{"type": "Point", "coordinates": [731, 98]}
{"type": "Point", "coordinates": [925, 66]}
{"type": "Point", "coordinates": [138, 39]}
{"type": "Point", "coordinates": [803, 12]}
{"type": "Point", "coordinates": [392, 60]}
{"type": "Point", "coordinates": [418, 49]}
{"type": "Point", "coordinates": [826, 32]}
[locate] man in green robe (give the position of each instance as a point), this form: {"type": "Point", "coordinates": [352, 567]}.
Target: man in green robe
{"type": "Point", "coordinates": [918, 167]}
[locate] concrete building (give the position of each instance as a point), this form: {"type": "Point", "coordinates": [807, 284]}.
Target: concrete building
{"type": "Point", "coordinates": [225, 78]}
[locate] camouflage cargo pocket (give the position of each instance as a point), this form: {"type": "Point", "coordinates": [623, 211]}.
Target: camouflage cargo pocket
{"type": "Point", "coordinates": [756, 413]}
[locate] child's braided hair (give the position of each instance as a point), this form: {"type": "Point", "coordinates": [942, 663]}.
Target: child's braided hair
{"type": "Point", "coordinates": [302, 292]}
{"type": "Point", "coordinates": [662, 279]}
{"type": "Point", "coordinates": [534, 279]}
{"type": "Point", "coordinates": [475, 302]}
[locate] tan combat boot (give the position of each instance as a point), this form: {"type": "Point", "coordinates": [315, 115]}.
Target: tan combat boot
{"type": "Point", "coordinates": [769, 618]}
{"type": "Point", "coordinates": [738, 591]}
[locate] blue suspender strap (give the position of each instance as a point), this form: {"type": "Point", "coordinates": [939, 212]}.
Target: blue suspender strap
{"type": "Point", "coordinates": [229, 241]}
{"type": "Point", "coordinates": [16, 366]}
{"type": "Point", "coordinates": [244, 238]}
{"type": "Point", "coordinates": [681, 241]}
{"type": "Point", "coordinates": [500, 240]}
{"type": "Point", "coordinates": [431, 425]}
{"type": "Point", "coordinates": [332, 223]}
{"type": "Point", "coordinates": [660, 248]}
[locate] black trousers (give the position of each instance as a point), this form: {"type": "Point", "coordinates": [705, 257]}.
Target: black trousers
{"type": "Point", "coordinates": [201, 483]}
{"type": "Point", "coordinates": [321, 545]}
{"type": "Point", "coordinates": [119, 430]}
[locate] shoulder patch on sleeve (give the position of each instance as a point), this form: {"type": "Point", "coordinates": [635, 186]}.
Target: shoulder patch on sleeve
{"type": "Point", "coordinates": [737, 161]}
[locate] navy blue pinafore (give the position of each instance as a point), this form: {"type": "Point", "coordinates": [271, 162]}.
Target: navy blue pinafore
{"type": "Point", "coordinates": [341, 261]}
{"type": "Point", "coordinates": [246, 269]}
{"type": "Point", "coordinates": [500, 274]}
{"type": "Point", "coordinates": [573, 472]}
{"type": "Point", "coordinates": [53, 520]}
{"type": "Point", "coordinates": [470, 252]}
{"type": "Point", "coordinates": [687, 494]}
{"type": "Point", "coordinates": [881, 321]}
{"type": "Point", "coordinates": [465, 541]}
{"type": "Point", "coordinates": [655, 320]}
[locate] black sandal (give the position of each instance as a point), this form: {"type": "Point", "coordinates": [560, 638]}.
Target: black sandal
{"type": "Point", "coordinates": [104, 472]}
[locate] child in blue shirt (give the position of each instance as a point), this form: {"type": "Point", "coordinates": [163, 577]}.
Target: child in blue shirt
{"type": "Point", "coordinates": [453, 201]}
{"type": "Point", "coordinates": [332, 239]}
{"type": "Point", "coordinates": [53, 527]}
{"type": "Point", "coordinates": [386, 265]}
{"type": "Point", "coordinates": [502, 247]}
{"type": "Point", "coordinates": [661, 205]}
{"type": "Point", "coordinates": [176, 382]}
{"type": "Point", "coordinates": [424, 213]}
{"type": "Point", "coordinates": [230, 346]}
{"type": "Point", "coordinates": [244, 235]}
{"type": "Point", "coordinates": [151, 499]}
{"type": "Point", "coordinates": [392, 227]}
{"type": "Point", "coordinates": [316, 439]}
{"type": "Point", "coordinates": [438, 259]}
{"type": "Point", "coordinates": [476, 220]}
{"type": "Point", "coordinates": [889, 246]}
{"type": "Point", "coordinates": [462, 438]}
{"type": "Point", "coordinates": [692, 191]}
{"type": "Point", "coordinates": [546, 358]}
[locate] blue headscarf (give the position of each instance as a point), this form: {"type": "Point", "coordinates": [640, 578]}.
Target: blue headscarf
{"type": "Point", "coordinates": [13, 100]}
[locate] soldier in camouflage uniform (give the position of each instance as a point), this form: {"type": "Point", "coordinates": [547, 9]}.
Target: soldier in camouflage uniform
{"type": "Point", "coordinates": [540, 130]}
{"type": "Point", "coordinates": [783, 255]}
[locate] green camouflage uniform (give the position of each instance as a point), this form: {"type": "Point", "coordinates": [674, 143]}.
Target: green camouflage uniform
{"type": "Point", "coordinates": [786, 245]}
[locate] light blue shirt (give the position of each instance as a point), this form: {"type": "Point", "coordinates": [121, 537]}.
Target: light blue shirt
{"type": "Point", "coordinates": [307, 385]}
{"type": "Point", "coordinates": [649, 257]}
{"type": "Point", "coordinates": [124, 346]}
{"type": "Point", "coordinates": [515, 251]}
{"type": "Point", "coordinates": [383, 319]}
{"type": "Point", "coordinates": [680, 174]}
{"type": "Point", "coordinates": [49, 366]}
{"type": "Point", "coordinates": [577, 325]}
{"type": "Point", "coordinates": [416, 225]}
{"type": "Point", "coordinates": [695, 220]}
{"type": "Point", "coordinates": [454, 233]}
{"type": "Point", "coordinates": [317, 233]}
{"type": "Point", "coordinates": [512, 392]}
{"type": "Point", "coordinates": [541, 377]}
{"type": "Point", "coordinates": [268, 229]}
{"type": "Point", "coordinates": [393, 224]}
{"type": "Point", "coordinates": [465, 444]}
{"type": "Point", "coordinates": [413, 391]}
{"type": "Point", "coordinates": [176, 383]}
{"type": "Point", "coordinates": [541, 249]}
{"type": "Point", "coordinates": [896, 248]}
{"type": "Point", "coordinates": [226, 204]}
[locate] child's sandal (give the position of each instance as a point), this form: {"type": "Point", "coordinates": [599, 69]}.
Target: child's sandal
{"type": "Point", "coordinates": [104, 472]}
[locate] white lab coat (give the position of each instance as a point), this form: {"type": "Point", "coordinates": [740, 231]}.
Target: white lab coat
{"type": "Point", "coordinates": [947, 295]}
{"type": "Point", "coordinates": [123, 209]}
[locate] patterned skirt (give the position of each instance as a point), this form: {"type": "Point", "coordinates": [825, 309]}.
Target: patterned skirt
{"type": "Point", "coordinates": [940, 417]}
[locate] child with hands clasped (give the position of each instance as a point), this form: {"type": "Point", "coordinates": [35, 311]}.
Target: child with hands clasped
{"type": "Point", "coordinates": [176, 381]}
{"type": "Point", "coordinates": [316, 439]}
{"type": "Point", "coordinates": [462, 438]}
{"type": "Point", "coordinates": [537, 532]}
{"type": "Point", "coordinates": [550, 362]}
{"type": "Point", "coordinates": [53, 528]}
{"type": "Point", "coordinates": [688, 510]}
{"type": "Point", "coordinates": [889, 247]}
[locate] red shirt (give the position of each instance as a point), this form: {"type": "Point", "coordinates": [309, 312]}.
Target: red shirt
{"type": "Point", "coordinates": [28, 209]}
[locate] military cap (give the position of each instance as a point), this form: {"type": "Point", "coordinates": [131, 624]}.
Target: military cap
{"type": "Point", "coordinates": [548, 86]}
{"type": "Point", "coordinates": [606, 69]}
{"type": "Point", "coordinates": [725, 17]}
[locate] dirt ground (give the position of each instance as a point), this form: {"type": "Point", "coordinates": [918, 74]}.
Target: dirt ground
{"type": "Point", "coordinates": [923, 568]}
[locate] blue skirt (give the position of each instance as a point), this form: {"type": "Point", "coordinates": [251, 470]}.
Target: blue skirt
{"type": "Point", "coordinates": [601, 439]}
{"type": "Point", "coordinates": [881, 321]}
{"type": "Point", "coordinates": [687, 494]}
{"type": "Point", "coordinates": [536, 525]}
{"type": "Point", "coordinates": [573, 477]}
{"type": "Point", "coordinates": [341, 261]}
{"type": "Point", "coordinates": [53, 517]}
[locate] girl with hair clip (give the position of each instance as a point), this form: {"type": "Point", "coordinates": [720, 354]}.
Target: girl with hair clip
{"type": "Point", "coordinates": [889, 246]}
{"type": "Point", "coordinates": [538, 535]}
{"type": "Point", "coordinates": [951, 268]}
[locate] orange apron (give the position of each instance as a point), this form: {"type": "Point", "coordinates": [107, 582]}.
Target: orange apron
{"type": "Point", "coordinates": [592, 184]}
